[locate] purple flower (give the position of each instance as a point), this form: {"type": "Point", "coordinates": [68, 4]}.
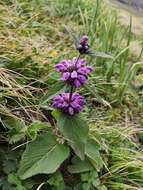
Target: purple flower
{"type": "Point", "coordinates": [83, 46]}
{"type": "Point", "coordinates": [74, 72]}
{"type": "Point", "coordinates": [67, 104]}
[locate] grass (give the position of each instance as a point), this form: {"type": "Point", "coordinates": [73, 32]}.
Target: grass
{"type": "Point", "coordinates": [33, 38]}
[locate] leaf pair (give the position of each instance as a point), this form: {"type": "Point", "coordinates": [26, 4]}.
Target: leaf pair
{"type": "Point", "coordinates": [46, 154]}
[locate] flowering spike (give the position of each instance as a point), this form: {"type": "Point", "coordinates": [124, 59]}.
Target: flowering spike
{"type": "Point", "coordinates": [67, 105]}
{"type": "Point", "coordinates": [74, 72]}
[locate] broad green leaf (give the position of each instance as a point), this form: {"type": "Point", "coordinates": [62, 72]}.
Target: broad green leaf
{"type": "Point", "coordinates": [92, 152]}
{"type": "Point", "coordinates": [79, 166]}
{"type": "Point", "coordinates": [57, 181]}
{"type": "Point", "coordinates": [75, 131]}
{"type": "Point", "coordinates": [42, 156]}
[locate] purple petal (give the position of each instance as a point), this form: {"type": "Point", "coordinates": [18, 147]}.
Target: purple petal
{"type": "Point", "coordinates": [66, 63]}
{"type": "Point", "coordinates": [74, 61]}
{"type": "Point", "coordinates": [89, 69]}
{"type": "Point", "coordinates": [86, 47]}
{"type": "Point", "coordinates": [82, 78]}
{"type": "Point", "coordinates": [65, 104]}
{"type": "Point", "coordinates": [79, 101]}
{"type": "Point", "coordinates": [79, 108]}
{"type": "Point", "coordinates": [74, 74]}
{"type": "Point", "coordinates": [76, 96]}
{"type": "Point", "coordinates": [57, 105]}
{"type": "Point", "coordinates": [65, 76]}
{"type": "Point", "coordinates": [58, 98]}
{"type": "Point", "coordinates": [71, 111]}
{"type": "Point", "coordinates": [74, 104]}
{"type": "Point", "coordinates": [60, 67]}
{"type": "Point", "coordinates": [82, 70]}
{"type": "Point", "coordinates": [77, 83]}
{"type": "Point", "coordinates": [65, 96]}
{"type": "Point", "coordinates": [81, 63]}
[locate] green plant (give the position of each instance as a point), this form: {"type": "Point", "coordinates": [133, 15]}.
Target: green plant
{"type": "Point", "coordinates": [34, 38]}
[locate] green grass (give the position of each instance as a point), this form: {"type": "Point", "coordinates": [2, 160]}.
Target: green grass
{"type": "Point", "coordinates": [33, 38]}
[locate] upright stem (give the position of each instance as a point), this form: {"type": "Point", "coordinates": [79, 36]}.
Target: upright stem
{"type": "Point", "coordinates": [70, 96]}
{"type": "Point", "coordinates": [71, 91]}
{"type": "Point", "coordinates": [77, 59]}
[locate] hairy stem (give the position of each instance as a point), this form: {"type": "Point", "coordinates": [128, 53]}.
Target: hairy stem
{"type": "Point", "coordinates": [72, 88]}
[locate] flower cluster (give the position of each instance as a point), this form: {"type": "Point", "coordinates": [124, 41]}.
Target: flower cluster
{"type": "Point", "coordinates": [69, 104]}
{"type": "Point", "coordinates": [74, 72]}
{"type": "Point", "coordinates": [83, 46]}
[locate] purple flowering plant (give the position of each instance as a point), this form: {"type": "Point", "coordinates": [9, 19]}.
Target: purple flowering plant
{"type": "Point", "coordinates": [75, 73]}
{"type": "Point", "coordinates": [67, 138]}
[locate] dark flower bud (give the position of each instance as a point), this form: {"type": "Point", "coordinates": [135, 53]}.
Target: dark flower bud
{"type": "Point", "coordinates": [83, 46]}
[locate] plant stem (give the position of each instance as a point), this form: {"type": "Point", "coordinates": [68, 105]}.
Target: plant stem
{"type": "Point", "coordinates": [77, 59]}
{"type": "Point", "coordinates": [70, 96]}
{"type": "Point", "coordinates": [71, 91]}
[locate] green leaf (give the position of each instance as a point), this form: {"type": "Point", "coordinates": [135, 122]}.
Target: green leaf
{"type": "Point", "coordinates": [57, 181]}
{"type": "Point", "coordinates": [8, 166]}
{"type": "Point", "coordinates": [56, 114]}
{"type": "Point", "coordinates": [55, 76]}
{"type": "Point", "coordinates": [102, 187]}
{"type": "Point", "coordinates": [35, 127]}
{"type": "Point", "coordinates": [16, 137]}
{"type": "Point", "coordinates": [92, 152]}
{"type": "Point", "coordinates": [75, 130]}
{"type": "Point", "coordinates": [19, 187]}
{"type": "Point", "coordinates": [14, 123]}
{"type": "Point", "coordinates": [13, 179]}
{"type": "Point", "coordinates": [100, 54]}
{"type": "Point", "coordinates": [79, 166]}
{"type": "Point", "coordinates": [42, 156]}
{"type": "Point", "coordinates": [17, 129]}
{"type": "Point", "coordinates": [91, 178]}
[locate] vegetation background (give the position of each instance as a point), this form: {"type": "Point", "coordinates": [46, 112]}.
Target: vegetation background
{"type": "Point", "coordinates": [33, 39]}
